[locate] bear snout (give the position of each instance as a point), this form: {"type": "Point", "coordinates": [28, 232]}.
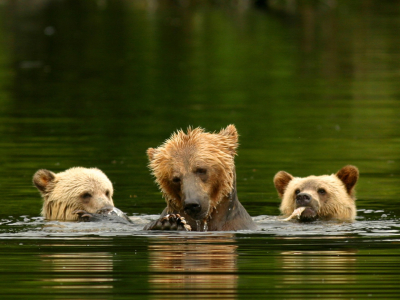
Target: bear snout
{"type": "Point", "coordinates": [311, 204]}
{"type": "Point", "coordinates": [192, 207]}
{"type": "Point", "coordinates": [105, 210]}
{"type": "Point", "coordinates": [303, 199]}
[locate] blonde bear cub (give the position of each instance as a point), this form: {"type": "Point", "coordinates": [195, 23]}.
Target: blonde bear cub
{"type": "Point", "coordinates": [76, 189]}
{"type": "Point", "coordinates": [326, 197]}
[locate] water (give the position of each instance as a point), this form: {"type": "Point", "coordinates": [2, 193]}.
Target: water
{"type": "Point", "coordinates": [95, 83]}
{"type": "Point", "coordinates": [283, 260]}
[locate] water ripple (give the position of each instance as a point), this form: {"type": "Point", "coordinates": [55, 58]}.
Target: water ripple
{"type": "Point", "coordinates": [25, 226]}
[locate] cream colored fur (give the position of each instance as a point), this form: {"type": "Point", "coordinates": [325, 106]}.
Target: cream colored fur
{"type": "Point", "coordinates": [65, 192]}
{"type": "Point", "coordinates": [339, 201]}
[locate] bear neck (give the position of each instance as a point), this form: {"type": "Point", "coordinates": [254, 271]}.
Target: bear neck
{"type": "Point", "coordinates": [229, 214]}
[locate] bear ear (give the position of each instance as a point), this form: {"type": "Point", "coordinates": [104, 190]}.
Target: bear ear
{"type": "Point", "coordinates": [231, 132]}
{"type": "Point", "coordinates": [281, 180]}
{"type": "Point", "coordinates": [349, 176]}
{"type": "Point", "coordinates": [42, 178]}
{"type": "Point", "coordinates": [150, 153]}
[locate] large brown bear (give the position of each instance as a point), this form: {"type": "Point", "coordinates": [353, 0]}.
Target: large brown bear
{"type": "Point", "coordinates": [326, 197]}
{"type": "Point", "coordinates": [196, 173]}
{"type": "Point", "coordinates": [76, 189]}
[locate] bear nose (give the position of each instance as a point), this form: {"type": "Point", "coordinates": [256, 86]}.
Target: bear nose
{"type": "Point", "coordinates": [192, 207]}
{"type": "Point", "coordinates": [303, 199]}
{"type": "Point", "coordinates": [105, 210]}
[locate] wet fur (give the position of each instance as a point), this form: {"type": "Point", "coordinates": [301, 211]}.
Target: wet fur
{"type": "Point", "coordinates": [337, 204]}
{"type": "Point", "coordinates": [186, 156]}
{"type": "Point", "coordinates": [62, 192]}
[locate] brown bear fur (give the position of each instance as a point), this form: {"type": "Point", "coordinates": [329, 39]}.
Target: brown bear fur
{"type": "Point", "coordinates": [325, 197]}
{"type": "Point", "coordinates": [196, 173]}
{"type": "Point", "coordinates": [74, 189]}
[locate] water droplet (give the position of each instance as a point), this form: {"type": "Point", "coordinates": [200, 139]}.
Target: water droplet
{"type": "Point", "coordinates": [198, 225]}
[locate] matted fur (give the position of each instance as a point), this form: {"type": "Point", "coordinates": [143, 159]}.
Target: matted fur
{"type": "Point", "coordinates": [63, 192]}
{"type": "Point", "coordinates": [184, 152]}
{"type": "Point", "coordinates": [339, 201]}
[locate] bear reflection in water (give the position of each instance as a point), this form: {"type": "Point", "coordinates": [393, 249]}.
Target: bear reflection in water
{"type": "Point", "coordinates": [81, 273]}
{"type": "Point", "coordinates": [197, 266]}
{"type": "Point", "coordinates": [313, 268]}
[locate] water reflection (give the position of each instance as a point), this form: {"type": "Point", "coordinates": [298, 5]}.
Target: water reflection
{"type": "Point", "coordinates": [199, 265]}
{"type": "Point", "coordinates": [329, 267]}
{"type": "Point", "coordinates": [81, 271]}
{"type": "Point", "coordinates": [325, 274]}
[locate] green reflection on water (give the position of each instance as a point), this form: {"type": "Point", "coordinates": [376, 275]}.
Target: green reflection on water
{"type": "Point", "coordinates": [213, 266]}
{"type": "Point", "coordinates": [95, 83]}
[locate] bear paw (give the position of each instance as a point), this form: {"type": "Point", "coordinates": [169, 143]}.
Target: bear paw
{"type": "Point", "coordinates": [170, 222]}
{"type": "Point", "coordinates": [83, 215]}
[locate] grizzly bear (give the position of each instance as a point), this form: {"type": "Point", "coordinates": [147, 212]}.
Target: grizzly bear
{"type": "Point", "coordinates": [326, 197]}
{"type": "Point", "coordinates": [195, 172]}
{"type": "Point", "coordinates": [74, 190]}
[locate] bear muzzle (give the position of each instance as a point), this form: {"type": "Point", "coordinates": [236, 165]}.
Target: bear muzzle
{"type": "Point", "coordinates": [303, 199]}
{"type": "Point", "coordinates": [194, 208]}
{"type": "Point", "coordinates": [105, 210]}
{"type": "Point", "coordinates": [311, 205]}
{"type": "Point", "coordinates": [195, 199]}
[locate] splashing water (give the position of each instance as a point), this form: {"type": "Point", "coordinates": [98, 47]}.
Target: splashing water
{"type": "Point", "coordinates": [198, 223]}
{"type": "Point", "coordinates": [205, 227]}
{"type": "Point", "coordinates": [368, 223]}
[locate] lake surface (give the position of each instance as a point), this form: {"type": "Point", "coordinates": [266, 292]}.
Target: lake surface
{"type": "Point", "coordinates": [310, 87]}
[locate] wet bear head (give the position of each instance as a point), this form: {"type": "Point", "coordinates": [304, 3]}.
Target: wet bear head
{"type": "Point", "coordinates": [324, 197]}
{"type": "Point", "coordinates": [195, 170]}
{"type": "Point", "coordinates": [74, 189]}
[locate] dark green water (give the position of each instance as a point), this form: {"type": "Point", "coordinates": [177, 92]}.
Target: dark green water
{"type": "Point", "coordinates": [95, 83]}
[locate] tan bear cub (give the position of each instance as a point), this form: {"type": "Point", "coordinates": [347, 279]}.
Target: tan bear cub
{"type": "Point", "coordinates": [76, 189]}
{"type": "Point", "coordinates": [196, 173]}
{"type": "Point", "coordinates": [326, 197]}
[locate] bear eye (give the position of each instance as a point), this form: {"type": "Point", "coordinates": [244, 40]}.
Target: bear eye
{"type": "Point", "coordinates": [321, 191]}
{"type": "Point", "coordinates": [108, 194]}
{"type": "Point", "coordinates": [176, 179]}
{"type": "Point", "coordinates": [297, 191]}
{"type": "Point", "coordinates": [86, 195]}
{"type": "Point", "coordinates": [201, 171]}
